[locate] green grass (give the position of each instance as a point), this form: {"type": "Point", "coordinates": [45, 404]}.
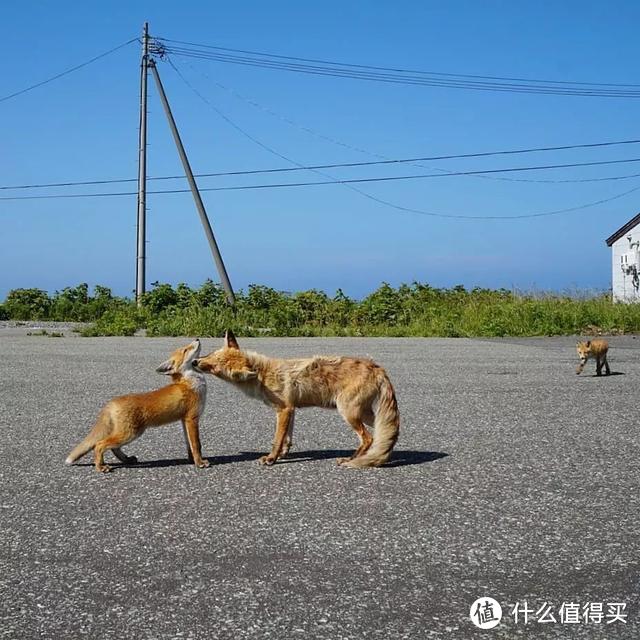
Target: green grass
{"type": "Point", "coordinates": [408, 310]}
{"type": "Point", "coordinates": [44, 332]}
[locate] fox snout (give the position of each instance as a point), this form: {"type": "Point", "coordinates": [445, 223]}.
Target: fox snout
{"type": "Point", "coordinates": [203, 366]}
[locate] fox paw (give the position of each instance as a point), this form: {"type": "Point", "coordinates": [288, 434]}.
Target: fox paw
{"type": "Point", "coordinates": [266, 461]}
{"type": "Point", "coordinates": [343, 460]}
{"type": "Point", "coordinates": [351, 463]}
{"type": "Point", "coordinates": [202, 464]}
{"type": "Point", "coordinates": [105, 468]}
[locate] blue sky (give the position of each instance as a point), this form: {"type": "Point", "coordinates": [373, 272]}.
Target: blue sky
{"type": "Point", "coordinates": [84, 126]}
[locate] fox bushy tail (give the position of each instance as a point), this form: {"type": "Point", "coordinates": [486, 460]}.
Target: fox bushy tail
{"type": "Point", "coordinates": [386, 428]}
{"type": "Point", "coordinates": [97, 433]}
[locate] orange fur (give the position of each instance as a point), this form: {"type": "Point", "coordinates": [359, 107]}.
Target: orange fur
{"type": "Point", "coordinates": [593, 349]}
{"type": "Point", "coordinates": [125, 418]}
{"type": "Point", "coordinates": [358, 388]}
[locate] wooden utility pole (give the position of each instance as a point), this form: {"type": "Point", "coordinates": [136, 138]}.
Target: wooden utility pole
{"type": "Point", "coordinates": [142, 171]}
{"type": "Point", "coordinates": [222, 271]}
{"type": "Point", "coordinates": [146, 64]}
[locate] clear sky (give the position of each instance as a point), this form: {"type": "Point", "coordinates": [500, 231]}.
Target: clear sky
{"type": "Point", "coordinates": [84, 126]}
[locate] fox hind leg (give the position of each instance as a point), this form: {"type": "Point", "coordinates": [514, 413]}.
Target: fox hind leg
{"type": "Point", "coordinates": [368, 418]}
{"type": "Point", "coordinates": [356, 423]}
{"type": "Point", "coordinates": [606, 365]}
{"type": "Point", "coordinates": [112, 442]}
{"type": "Point", "coordinates": [123, 457]}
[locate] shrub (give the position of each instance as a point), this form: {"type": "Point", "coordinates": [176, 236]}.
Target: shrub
{"type": "Point", "coordinates": [27, 304]}
{"type": "Point", "coordinates": [116, 322]}
{"type": "Point", "coordinates": [411, 310]}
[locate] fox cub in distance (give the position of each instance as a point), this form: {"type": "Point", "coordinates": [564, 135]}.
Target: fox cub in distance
{"type": "Point", "coordinates": [593, 349]}
{"type": "Point", "coordinates": [358, 388]}
{"type": "Point", "coordinates": [125, 418]}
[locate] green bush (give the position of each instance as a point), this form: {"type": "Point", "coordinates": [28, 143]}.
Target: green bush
{"type": "Point", "coordinates": [27, 304]}
{"type": "Point", "coordinates": [116, 322]}
{"type": "Point", "coordinates": [409, 310]}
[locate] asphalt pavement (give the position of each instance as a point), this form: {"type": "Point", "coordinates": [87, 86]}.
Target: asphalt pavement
{"type": "Point", "coordinates": [513, 478]}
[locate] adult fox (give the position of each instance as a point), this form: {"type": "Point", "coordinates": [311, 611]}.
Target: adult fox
{"type": "Point", "coordinates": [125, 418]}
{"type": "Point", "coordinates": [358, 388]}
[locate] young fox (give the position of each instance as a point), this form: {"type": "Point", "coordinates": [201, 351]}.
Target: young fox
{"type": "Point", "coordinates": [125, 418]}
{"type": "Point", "coordinates": [593, 349]}
{"type": "Point", "coordinates": [358, 388]}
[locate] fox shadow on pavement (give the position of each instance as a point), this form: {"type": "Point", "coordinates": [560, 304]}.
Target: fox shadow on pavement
{"type": "Point", "coordinates": [243, 456]}
{"type": "Point", "coordinates": [399, 458]}
{"type": "Point", "coordinates": [613, 373]}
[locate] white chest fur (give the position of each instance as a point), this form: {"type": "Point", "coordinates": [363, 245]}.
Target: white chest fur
{"type": "Point", "coordinates": [199, 385]}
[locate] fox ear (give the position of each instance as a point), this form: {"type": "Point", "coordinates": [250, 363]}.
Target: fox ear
{"type": "Point", "coordinates": [588, 343]}
{"type": "Point", "coordinates": [166, 368]}
{"type": "Point", "coordinates": [243, 375]}
{"type": "Point", "coordinates": [230, 341]}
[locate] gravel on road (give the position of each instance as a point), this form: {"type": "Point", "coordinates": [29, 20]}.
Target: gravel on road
{"type": "Point", "coordinates": [513, 478]}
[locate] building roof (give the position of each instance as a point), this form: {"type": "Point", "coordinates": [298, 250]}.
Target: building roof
{"type": "Point", "coordinates": [622, 230]}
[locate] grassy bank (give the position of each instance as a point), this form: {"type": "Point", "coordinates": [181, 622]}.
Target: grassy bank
{"type": "Point", "coordinates": [409, 310]}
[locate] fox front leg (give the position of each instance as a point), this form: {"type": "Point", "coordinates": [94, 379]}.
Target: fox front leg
{"type": "Point", "coordinates": [193, 437]}
{"type": "Point", "coordinates": [186, 442]}
{"type": "Point", "coordinates": [288, 439]}
{"type": "Point", "coordinates": [282, 427]}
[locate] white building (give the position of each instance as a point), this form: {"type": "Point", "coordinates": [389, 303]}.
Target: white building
{"type": "Point", "coordinates": [625, 256]}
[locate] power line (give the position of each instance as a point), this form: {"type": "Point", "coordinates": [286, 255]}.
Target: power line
{"type": "Point", "coordinates": [415, 161]}
{"type": "Point", "coordinates": [300, 167]}
{"type": "Point", "coordinates": [68, 71]}
{"type": "Point", "coordinates": [334, 181]}
{"type": "Point", "coordinates": [349, 183]}
{"type": "Point", "coordinates": [381, 201]}
{"type": "Point", "coordinates": [255, 140]}
{"type": "Point", "coordinates": [337, 165]}
{"type": "Point", "coordinates": [363, 66]}
{"type": "Point", "coordinates": [365, 72]}
{"type": "Point", "coordinates": [364, 193]}
{"type": "Point", "coordinates": [401, 208]}
{"type": "Point", "coordinates": [540, 214]}
{"type": "Point", "coordinates": [408, 80]}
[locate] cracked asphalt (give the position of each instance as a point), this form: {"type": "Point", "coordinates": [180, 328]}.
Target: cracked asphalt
{"type": "Point", "coordinates": [513, 478]}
